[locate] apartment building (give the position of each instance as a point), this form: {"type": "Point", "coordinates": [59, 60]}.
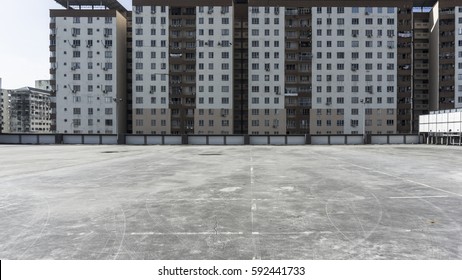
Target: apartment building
{"type": "Point", "coordinates": [182, 77]}
{"type": "Point", "coordinates": [88, 66]}
{"type": "Point", "coordinates": [354, 70]}
{"type": "Point", "coordinates": [256, 66]}
{"type": "Point", "coordinates": [26, 110]}
{"type": "Point", "coordinates": [446, 65]}
{"type": "Point", "coordinates": [420, 66]}
{"type": "Point", "coordinates": [2, 105]}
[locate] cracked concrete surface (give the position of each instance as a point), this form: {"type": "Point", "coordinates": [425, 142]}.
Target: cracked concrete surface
{"type": "Point", "coordinates": [230, 202]}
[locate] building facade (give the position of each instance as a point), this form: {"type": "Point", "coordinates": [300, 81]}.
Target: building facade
{"type": "Point", "coordinates": [26, 110]}
{"type": "Point", "coordinates": [256, 66]}
{"type": "Point", "coordinates": [88, 66]}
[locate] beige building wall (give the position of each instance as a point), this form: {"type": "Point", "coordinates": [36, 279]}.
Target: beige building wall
{"type": "Point", "coordinates": [267, 121]}
{"type": "Point", "coordinates": [213, 121]}
{"type": "Point", "coordinates": [151, 121]}
{"type": "Point", "coordinates": [372, 120]}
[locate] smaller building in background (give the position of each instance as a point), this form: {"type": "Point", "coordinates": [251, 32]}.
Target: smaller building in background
{"type": "Point", "coordinates": [43, 84]}
{"type": "Point", "coordinates": [26, 110]}
{"type": "Point", "coordinates": [2, 104]}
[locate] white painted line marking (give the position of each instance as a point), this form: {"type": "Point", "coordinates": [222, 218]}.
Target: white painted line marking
{"type": "Point", "coordinates": [394, 176]}
{"type": "Point", "coordinates": [188, 233]}
{"type": "Point", "coordinates": [418, 197]}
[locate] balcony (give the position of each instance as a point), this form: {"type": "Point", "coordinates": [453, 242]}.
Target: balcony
{"type": "Point", "coordinates": [422, 66]}
{"type": "Point", "coordinates": [421, 86]}
{"type": "Point", "coordinates": [422, 25]}
{"type": "Point", "coordinates": [421, 76]}
{"type": "Point", "coordinates": [421, 35]}
{"type": "Point", "coordinates": [421, 46]}
{"type": "Point", "coordinates": [421, 56]}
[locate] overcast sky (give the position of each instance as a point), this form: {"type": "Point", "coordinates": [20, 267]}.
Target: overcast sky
{"type": "Point", "coordinates": [24, 44]}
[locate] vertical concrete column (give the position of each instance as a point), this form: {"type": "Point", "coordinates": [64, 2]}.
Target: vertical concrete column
{"type": "Point", "coordinates": [184, 140]}
{"type": "Point", "coordinates": [308, 139]}
{"type": "Point", "coordinates": [246, 139]}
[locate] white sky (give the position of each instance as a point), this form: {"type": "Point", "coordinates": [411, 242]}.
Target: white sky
{"type": "Point", "coordinates": [24, 43]}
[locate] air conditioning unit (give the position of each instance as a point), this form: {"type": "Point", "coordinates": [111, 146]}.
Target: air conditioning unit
{"type": "Point", "coordinates": [73, 46]}
{"type": "Point", "coordinates": [151, 92]}
{"type": "Point", "coordinates": [104, 69]}
{"type": "Point", "coordinates": [106, 35]}
{"type": "Point", "coordinates": [74, 34]}
{"type": "Point", "coordinates": [354, 69]}
{"type": "Point", "coordinates": [267, 69]}
{"type": "Point", "coordinates": [275, 126]}
{"type": "Point", "coordinates": [223, 115]}
{"type": "Point", "coordinates": [355, 35]}
{"type": "Point", "coordinates": [73, 68]}
{"type": "Point", "coordinates": [104, 91]}
{"type": "Point", "coordinates": [366, 13]}
{"type": "Point", "coordinates": [328, 103]}
{"type": "Point", "coordinates": [369, 36]}
{"type": "Point", "coordinates": [89, 46]}
{"type": "Point", "coordinates": [210, 11]}
{"type": "Point", "coordinates": [354, 125]}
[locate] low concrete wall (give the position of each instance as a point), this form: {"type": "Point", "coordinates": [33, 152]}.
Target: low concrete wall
{"type": "Point", "coordinates": [217, 140]}
{"type": "Point", "coordinates": [235, 140]}
{"type": "Point", "coordinates": [396, 139]}
{"type": "Point", "coordinates": [47, 139]}
{"type": "Point", "coordinates": [135, 140]}
{"type": "Point", "coordinates": [94, 139]}
{"type": "Point", "coordinates": [73, 139]}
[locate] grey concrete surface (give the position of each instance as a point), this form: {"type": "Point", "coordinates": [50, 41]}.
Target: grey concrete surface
{"type": "Point", "coordinates": [233, 202]}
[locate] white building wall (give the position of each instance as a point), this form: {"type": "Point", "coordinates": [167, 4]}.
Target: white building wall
{"type": "Point", "coordinates": [266, 69]}
{"type": "Point", "coordinates": [336, 51]}
{"type": "Point", "coordinates": [214, 57]}
{"type": "Point", "coordinates": [214, 70]}
{"type": "Point", "coordinates": [86, 75]}
{"type": "Point", "coordinates": [458, 57]}
{"type": "Point", "coordinates": [150, 57]}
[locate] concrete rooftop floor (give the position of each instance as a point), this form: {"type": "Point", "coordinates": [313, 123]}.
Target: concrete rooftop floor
{"type": "Point", "coordinates": [230, 202]}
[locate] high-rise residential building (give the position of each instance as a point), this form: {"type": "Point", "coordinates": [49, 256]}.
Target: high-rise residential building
{"type": "Point", "coordinates": [26, 110]}
{"type": "Point", "coordinates": [446, 59]}
{"type": "Point", "coordinates": [182, 79]}
{"type": "Point", "coordinates": [255, 66]}
{"type": "Point", "coordinates": [88, 66]}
